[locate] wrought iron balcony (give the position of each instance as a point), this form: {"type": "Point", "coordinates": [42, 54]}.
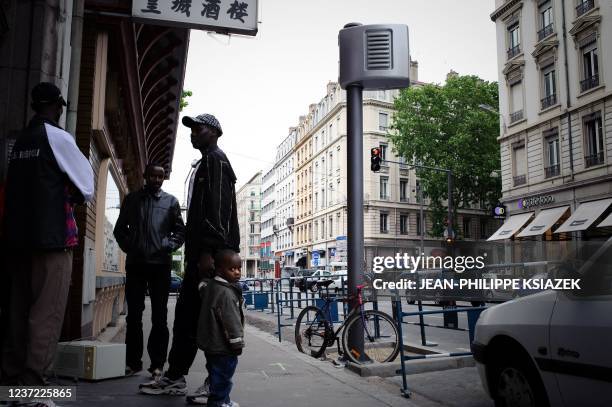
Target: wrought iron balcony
{"type": "Point", "coordinates": [404, 199]}
{"type": "Point", "coordinates": [545, 32]}
{"type": "Point", "coordinates": [514, 51]}
{"type": "Point", "coordinates": [589, 83]}
{"type": "Point", "coordinates": [549, 101]}
{"type": "Point", "coordinates": [594, 159]}
{"type": "Point", "coordinates": [584, 7]}
{"type": "Point", "coordinates": [552, 171]}
{"type": "Point", "coordinates": [516, 116]}
{"type": "Point", "coordinates": [520, 180]}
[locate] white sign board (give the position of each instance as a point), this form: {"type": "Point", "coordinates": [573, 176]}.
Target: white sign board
{"type": "Point", "coordinates": [222, 16]}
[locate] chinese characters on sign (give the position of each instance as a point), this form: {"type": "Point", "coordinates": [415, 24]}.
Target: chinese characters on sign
{"type": "Point", "coordinates": [225, 16]}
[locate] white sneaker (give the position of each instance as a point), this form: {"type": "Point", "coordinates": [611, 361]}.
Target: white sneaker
{"type": "Point", "coordinates": [164, 385]}
{"type": "Point", "coordinates": [230, 404]}
{"type": "Point", "coordinates": [200, 396]}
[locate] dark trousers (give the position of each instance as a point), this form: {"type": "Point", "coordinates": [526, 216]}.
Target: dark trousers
{"type": "Point", "coordinates": [38, 295]}
{"type": "Point", "coordinates": [184, 347]}
{"type": "Point", "coordinates": [221, 369]}
{"type": "Point", "coordinates": [155, 277]}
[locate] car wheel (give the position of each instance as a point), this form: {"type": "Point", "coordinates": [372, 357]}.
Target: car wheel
{"type": "Point", "coordinates": [516, 383]}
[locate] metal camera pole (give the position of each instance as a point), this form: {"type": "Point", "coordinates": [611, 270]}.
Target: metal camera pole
{"type": "Point", "coordinates": [354, 97]}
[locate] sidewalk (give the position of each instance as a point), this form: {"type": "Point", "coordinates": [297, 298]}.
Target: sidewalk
{"type": "Point", "coordinates": [269, 374]}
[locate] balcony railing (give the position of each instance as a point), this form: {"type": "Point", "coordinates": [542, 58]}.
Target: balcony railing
{"type": "Point", "coordinates": [589, 83]}
{"type": "Point", "coordinates": [514, 51]}
{"type": "Point", "coordinates": [584, 7]}
{"type": "Point", "coordinates": [594, 159]}
{"type": "Point", "coordinates": [520, 180]}
{"type": "Point", "coordinates": [549, 101]}
{"type": "Point", "coordinates": [404, 199]}
{"type": "Point", "coordinates": [552, 171]}
{"type": "Point", "coordinates": [516, 116]}
{"type": "Point", "coordinates": [545, 32]}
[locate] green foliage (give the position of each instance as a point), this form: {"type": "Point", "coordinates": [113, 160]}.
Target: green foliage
{"type": "Point", "coordinates": [443, 126]}
{"type": "Point", "coordinates": [183, 103]}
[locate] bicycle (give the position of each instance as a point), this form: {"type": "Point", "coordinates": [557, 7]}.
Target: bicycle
{"type": "Point", "coordinates": [314, 331]}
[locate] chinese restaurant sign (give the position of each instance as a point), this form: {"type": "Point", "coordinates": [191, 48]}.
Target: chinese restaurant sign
{"type": "Point", "coordinates": [222, 16]}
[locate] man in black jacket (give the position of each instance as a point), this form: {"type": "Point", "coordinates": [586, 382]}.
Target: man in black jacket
{"type": "Point", "coordinates": [212, 225]}
{"type": "Point", "coordinates": [149, 229]}
{"type": "Point", "coordinates": [47, 175]}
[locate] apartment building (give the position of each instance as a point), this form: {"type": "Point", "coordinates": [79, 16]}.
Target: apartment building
{"type": "Point", "coordinates": [268, 216]}
{"type": "Point", "coordinates": [285, 199]}
{"type": "Point", "coordinates": [555, 66]}
{"type": "Point", "coordinates": [248, 200]}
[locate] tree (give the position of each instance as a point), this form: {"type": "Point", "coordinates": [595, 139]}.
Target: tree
{"type": "Point", "coordinates": [183, 102]}
{"type": "Point", "coordinates": [443, 126]}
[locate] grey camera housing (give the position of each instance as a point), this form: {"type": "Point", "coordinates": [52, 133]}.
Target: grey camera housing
{"type": "Point", "coordinates": [375, 56]}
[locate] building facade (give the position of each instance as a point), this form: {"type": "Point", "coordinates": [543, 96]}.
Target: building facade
{"type": "Point", "coordinates": [555, 66]}
{"type": "Point", "coordinates": [268, 220]}
{"type": "Point", "coordinates": [285, 199]}
{"type": "Point", "coordinates": [248, 200]}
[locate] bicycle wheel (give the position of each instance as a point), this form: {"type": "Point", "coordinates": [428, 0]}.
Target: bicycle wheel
{"type": "Point", "coordinates": [311, 331]}
{"type": "Point", "coordinates": [380, 337]}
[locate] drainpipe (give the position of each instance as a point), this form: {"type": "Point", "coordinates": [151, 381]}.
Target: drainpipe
{"type": "Point", "coordinates": [76, 39]}
{"type": "Point", "coordinates": [567, 89]}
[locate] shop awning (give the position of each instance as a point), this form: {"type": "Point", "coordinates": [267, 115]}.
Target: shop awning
{"type": "Point", "coordinates": [585, 215]}
{"type": "Point", "coordinates": [509, 228]}
{"type": "Point", "coordinates": [544, 221]}
{"type": "Point", "coordinates": [607, 222]}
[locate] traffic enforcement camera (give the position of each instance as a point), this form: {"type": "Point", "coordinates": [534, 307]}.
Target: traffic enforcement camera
{"type": "Point", "coordinates": [375, 158]}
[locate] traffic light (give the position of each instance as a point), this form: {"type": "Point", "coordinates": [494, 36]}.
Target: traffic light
{"type": "Point", "coordinates": [375, 158]}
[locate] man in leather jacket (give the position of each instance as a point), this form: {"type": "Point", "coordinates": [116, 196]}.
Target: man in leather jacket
{"type": "Point", "coordinates": [149, 229]}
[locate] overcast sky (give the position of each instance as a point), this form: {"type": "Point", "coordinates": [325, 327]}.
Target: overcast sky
{"type": "Point", "coordinates": [258, 87]}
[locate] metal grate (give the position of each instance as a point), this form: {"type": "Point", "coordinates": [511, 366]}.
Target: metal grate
{"type": "Point", "coordinates": [379, 44]}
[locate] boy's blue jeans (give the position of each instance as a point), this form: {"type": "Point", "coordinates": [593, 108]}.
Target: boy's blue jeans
{"type": "Point", "coordinates": [221, 369]}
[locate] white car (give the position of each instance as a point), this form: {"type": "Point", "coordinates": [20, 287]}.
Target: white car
{"type": "Point", "coordinates": [553, 347]}
{"type": "Point", "coordinates": [338, 277]}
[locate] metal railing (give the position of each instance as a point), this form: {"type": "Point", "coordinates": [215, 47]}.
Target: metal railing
{"type": "Point", "coordinates": [516, 116]}
{"type": "Point", "coordinates": [584, 7]}
{"type": "Point", "coordinates": [552, 171]}
{"type": "Point", "coordinates": [549, 101]}
{"type": "Point", "coordinates": [589, 83]}
{"type": "Point", "coordinates": [594, 159]}
{"type": "Point", "coordinates": [514, 51]}
{"type": "Point", "coordinates": [520, 180]}
{"type": "Point", "coordinates": [545, 32]}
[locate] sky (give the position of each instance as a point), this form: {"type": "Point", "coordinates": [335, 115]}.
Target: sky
{"type": "Point", "coordinates": [257, 87]}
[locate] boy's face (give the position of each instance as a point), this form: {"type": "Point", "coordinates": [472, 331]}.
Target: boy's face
{"type": "Point", "coordinates": [231, 268]}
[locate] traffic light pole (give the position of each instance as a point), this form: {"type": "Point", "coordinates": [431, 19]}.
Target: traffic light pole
{"type": "Point", "coordinates": [354, 97]}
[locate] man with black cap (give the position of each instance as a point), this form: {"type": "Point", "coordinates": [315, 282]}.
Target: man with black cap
{"type": "Point", "coordinates": [47, 176]}
{"type": "Point", "coordinates": [212, 225]}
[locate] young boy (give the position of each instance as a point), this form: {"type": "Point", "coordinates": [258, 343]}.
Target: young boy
{"type": "Point", "coordinates": [221, 326]}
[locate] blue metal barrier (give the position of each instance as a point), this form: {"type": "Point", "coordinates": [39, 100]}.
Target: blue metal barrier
{"type": "Point", "coordinates": [472, 313]}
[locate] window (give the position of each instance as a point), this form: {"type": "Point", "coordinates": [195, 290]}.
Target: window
{"type": "Point", "coordinates": [384, 183]}
{"type": "Point", "coordinates": [467, 228]}
{"type": "Point", "coordinates": [519, 164]}
{"type": "Point", "coordinates": [552, 168]}
{"type": "Point", "coordinates": [584, 6]}
{"type": "Point", "coordinates": [483, 229]}
{"type": "Point", "coordinates": [419, 195]}
{"type": "Point", "coordinates": [516, 100]}
{"type": "Point", "coordinates": [403, 190]}
{"type": "Point", "coordinates": [590, 67]}
{"type": "Point", "coordinates": [403, 224]}
{"type": "Point", "coordinates": [383, 123]}
{"type": "Point", "coordinates": [331, 226]}
{"type": "Point", "coordinates": [322, 229]}
{"type": "Point", "coordinates": [549, 87]}
{"type": "Point", "coordinates": [514, 40]}
{"type": "Point", "coordinates": [546, 20]}
{"type": "Point", "coordinates": [383, 152]}
{"type": "Point", "coordinates": [418, 226]}
{"type": "Point", "coordinates": [594, 140]}
{"type": "Point", "coordinates": [384, 220]}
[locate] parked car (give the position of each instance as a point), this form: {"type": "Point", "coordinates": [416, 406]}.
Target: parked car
{"type": "Point", "coordinates": [175, 283]}
{"type": "Point", "coordinates": [339, 279]}
{"type": "Point", "coordinates": [313, 280]}
{"type": "Point", "coordinates": [552, 347]}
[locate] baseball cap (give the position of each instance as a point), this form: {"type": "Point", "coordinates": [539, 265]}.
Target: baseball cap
{"type": "Point", "coordinates": [207, 119]}
{"type": "Point", "coordinates": [46, 93]}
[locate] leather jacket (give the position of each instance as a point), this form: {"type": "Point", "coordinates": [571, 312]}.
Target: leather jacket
{"type": "Point", "coordinates": [149, 227]}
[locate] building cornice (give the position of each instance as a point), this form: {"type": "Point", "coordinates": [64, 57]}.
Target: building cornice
{"type": "Point", "coordinates": [504, 8]}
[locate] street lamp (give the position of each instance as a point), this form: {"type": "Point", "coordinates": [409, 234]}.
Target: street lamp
{"type": "Point", "coordinates": [491, 109]}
